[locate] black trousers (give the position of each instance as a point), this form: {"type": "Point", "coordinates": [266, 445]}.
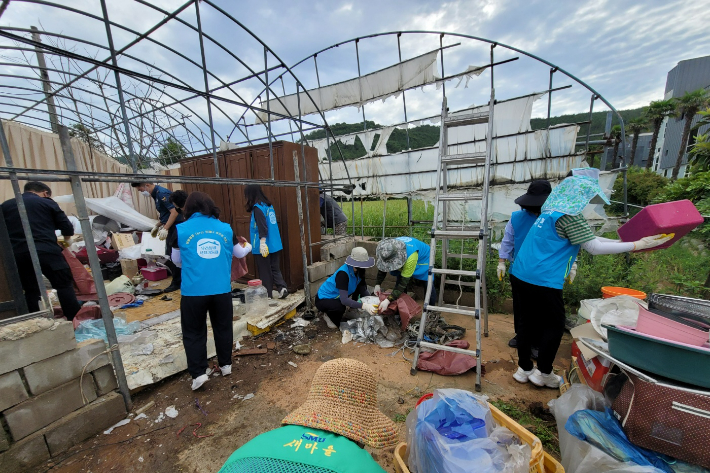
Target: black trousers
{"type": "Point", "coordinates": [270, 272]}
{"type": "Point", "coordinates": [541, 319]}
{"type": "Point", "coordinates": [175, 272]}
{"type": "Point", "coordinates": [335, 309]}
{"type": "Point", "coordinates": [56, 269]}
{"type": "Point", "coordinates": [193, 319]}
{"type": "Point", "coordinates": [517, 307]}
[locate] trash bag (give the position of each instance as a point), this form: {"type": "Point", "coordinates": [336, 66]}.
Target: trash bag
{"type": "Point", "coordinates": [83, 282]}
{"type": "Point", "coordinates": [455, 430]}
{"type": "Point", "coordinates": [120, 284]}
{"type": "Point", "coordinates": [603, 430]}
{"type": "Point", "coordinates": [405, 306]}
{"type": "Point", "coordinates": [105, 255]}
{"type": "Point", "coordinates": [89, 329]}
{"type": "Point", "coordinates": [447, 363]}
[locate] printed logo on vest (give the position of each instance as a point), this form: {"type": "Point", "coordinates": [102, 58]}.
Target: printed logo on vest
{"type": "Point", "coordinates": [272, 217]}
{"type": "Point", "coordinates": [208, 248]}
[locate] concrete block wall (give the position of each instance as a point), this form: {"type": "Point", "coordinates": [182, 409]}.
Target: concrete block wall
{"type": "Point", "coordinates": [46, 405]}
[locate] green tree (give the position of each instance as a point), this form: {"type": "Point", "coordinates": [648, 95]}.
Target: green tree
{"type": "Point", "coordinates": [615, 135]}
{"type": "Point", "coordinates": [687, 107]}
{"type": "Point", "coordinates": [699, 158]}
{"type": "Point", "coordinates": [635, 127]}
{"type": "Point", "coordinates": [657, 111]}
{"type": "Point", "coordinates": [87, 135]}
{"type": "Point", "coordinates": [171, 152]}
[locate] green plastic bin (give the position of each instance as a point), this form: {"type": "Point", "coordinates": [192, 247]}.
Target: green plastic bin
{"type": "Point", "coordinates": [671, 360]}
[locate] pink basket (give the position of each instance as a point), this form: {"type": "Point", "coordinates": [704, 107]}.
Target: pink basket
{"type": "Point", "coordinates": [667, 329]}
{"type": "Point", "coordinates": [678, 217]}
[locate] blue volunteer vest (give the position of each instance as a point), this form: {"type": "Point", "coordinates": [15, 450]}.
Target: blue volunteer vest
{"type": "Point", "coordinates": [522, 221]}
{"type": "Point", "coordinates": [206, 252]}
{"type": "Point", "coordinates": [328, 289]}
{"type": "Point", "coordinates": [422, 271]}
{"type": "Point", "coordinates": [273, 239]}
{"type": "Point", "coordinates": [545, 258]}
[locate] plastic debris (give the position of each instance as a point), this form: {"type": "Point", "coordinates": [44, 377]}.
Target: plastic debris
{"type": "Point", "coordinates": [141, 416]}
{"type": "Point", "coordinates": [89, 329]}
{"type": "Point", "coordinates": [167, 359]}
{"type": "Point", "coordinates": [237, 345]}
{"type": "Point", "coordinates": [171, 412]}
{"type": "Point", "coordinates": [117, 424]}
{"type": "Point", "coordinates": [140, 459]}
{"type": "Point", "coordinates": [146, 349]}
{"type": "Point", "coordinates": [248, 396]}
{"type": "Point", "coordinates": [293, 364]}
{"type": "Point", "coordinates": [300, 322]}
{"type": "Point", "coordinates": [347, 337]}
{"type": "Point", "coordinates": [160, 418]}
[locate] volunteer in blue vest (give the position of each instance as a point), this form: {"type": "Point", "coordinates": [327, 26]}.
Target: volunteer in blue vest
{"type": "Point", "coordinates": [327, 433]}
{"type": "Point", "coordinates": [516, 230]}
{"type": "Point", "coordinates": [168, 217]}
{"type": "Point", "coordinates": [205, 247]}
{"type": "Point", "coordinates": [406, 258]}
{"type": "Point", "coordinates": [544, 263]}
{"type": "Point", "coordinates": [345, 287]}
{"type": "Point", "coordinates": [265, 240]}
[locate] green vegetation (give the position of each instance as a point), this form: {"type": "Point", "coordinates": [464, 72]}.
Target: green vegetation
{"type": "Point", "coordinates": [171, 152]}
{"type": "Point", "coordinates": [598, 120]}
{"type": "Point", "coordinates": [544, 429]}
{"type": "Point", "coordinates": [687, 107]}
{"type": "Point", "coordinates": [643, 188]}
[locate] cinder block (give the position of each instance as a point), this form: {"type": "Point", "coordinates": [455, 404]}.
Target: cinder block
{"type": "Point", "coordinates": [349, 245]}
{"type": "Point", "coordinates": [339, 250]}
{"type": "Point", "coordinates": [84, 423]}
{"type": "Point", "coordinates": [12, 391]}
{"type": "Point", "coordinates": [324, 253]}
{"type": "Point", "coordinates": [25, 454]}
{"type": "Point", "coordinates": [334, 265]}
{"type": "Point", "coordinates": [36, 347]}
{"type": "Point", "coordinates": [52, 372]}
{"type": "Point", "coordinates": [370, 246]}
{"type": "Point", "coordinates": [317, 271]}
{"type": "Point", "coordinates": [105, 380]}
{"type": "Point", "coordinates": [40, 411]}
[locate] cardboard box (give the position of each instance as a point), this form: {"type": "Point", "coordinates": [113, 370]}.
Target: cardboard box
{"type": "Point", "coordinates": [120, 241]}
{"type": "Point", "coordinates": [129, 267]}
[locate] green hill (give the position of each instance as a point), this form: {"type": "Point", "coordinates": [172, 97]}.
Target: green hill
{"type": "Point", "coordinates": [428, 135]}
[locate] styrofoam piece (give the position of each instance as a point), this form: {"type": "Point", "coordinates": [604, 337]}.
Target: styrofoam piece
{"type": "Point", "coordinates": [113, 208]}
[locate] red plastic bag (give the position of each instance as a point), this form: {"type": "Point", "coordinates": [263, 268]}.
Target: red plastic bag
{"type": "Point", "coordinates": [447, 363]}
{"type": "Point", "coordinates": [83, 282]}
{"type": "Point", "coordinates": [405, 306]}
{"type": "Point", "coordinates": [105, 255]}
{"type": "Point", "coordinates": [239, 265]}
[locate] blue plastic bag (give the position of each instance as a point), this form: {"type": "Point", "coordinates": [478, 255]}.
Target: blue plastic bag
{"type": "Point", "coordinates": [89, 329]}
{"type": "Point", "coordinates": [604, 431]}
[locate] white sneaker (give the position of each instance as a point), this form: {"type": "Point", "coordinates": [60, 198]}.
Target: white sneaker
{"type": "Point", "coordinates": [284, 293]}
{"type": "Point", "coordinates": [550, 380]}
{"type": "Point", "coordinates": [199, 381]}
{"type": "Point", "coordinates": [522, 376]}
{"type": "Point", "coordinates": [226, 370]}
{"type": "Point", "coordinates": [329, 322]}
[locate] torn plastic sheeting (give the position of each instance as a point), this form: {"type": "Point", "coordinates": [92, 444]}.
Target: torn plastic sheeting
{"type": "Point", "coordinates": [372, 329]}
{"type": "Point", "coordinates": [113, 208]}
{"type": "Point", "coordinates": [447, 363]}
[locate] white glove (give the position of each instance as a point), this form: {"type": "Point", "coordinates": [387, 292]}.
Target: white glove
{"type": "Point", "coordinates": [501, 270]}
{"type": "Point", "coordinates": [68, 240]}
{"type": "Point", "coordinates": [383, 305]}
{"type": "Point", "coordinates": [377, 290]}
{"type": "Point", "coordinates": [162, 234]}
{"type": "Point", "coordinates": [154, 231]}
{"type": "Point", "coordinates": [369, 308]}
{"type": "Point", "coordinates": [572, 273]}
{"type": "Point", "coordinates": [263, 249]}
{"type": "Point", "coordinates": [649, 242]}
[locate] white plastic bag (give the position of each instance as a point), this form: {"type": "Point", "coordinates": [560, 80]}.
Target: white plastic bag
{"type": "Point", "coordinates": [120, 284]}
{"type": "Point", "coordinates": [619, 310]}
{"type": "Point", "coordinates": [132, 252]}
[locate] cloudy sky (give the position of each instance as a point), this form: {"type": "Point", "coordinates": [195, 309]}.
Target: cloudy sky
{"type": "Point", "coordinates": [622, 49]}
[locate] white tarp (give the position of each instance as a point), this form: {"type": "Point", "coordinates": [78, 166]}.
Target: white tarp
{"type": "Point", "coordinates": [114, 208]}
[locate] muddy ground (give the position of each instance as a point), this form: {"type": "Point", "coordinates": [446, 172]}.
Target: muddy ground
{"type": "Point", "coordinates": [228, 420]}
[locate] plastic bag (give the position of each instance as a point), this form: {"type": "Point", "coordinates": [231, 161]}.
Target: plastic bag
{"type": "Point", "coordinates": [83, 282]}
{"type": "Point", "coordinates": [447, 363]}
{"type": "Point", "coordinates": [455, 430]}
{"type": "Point", "coordinates": [89, 329]}
{"type": "Point", "coordinates": [120, 284]}
{"type": "Point", "coordinates": [619, 310]}
{"type": "Point", "coordinates": [372, 329]}
{"type": "Point", "coordinates": [132, 252]}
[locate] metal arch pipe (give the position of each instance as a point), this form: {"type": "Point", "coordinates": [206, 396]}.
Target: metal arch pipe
{"type": "Point", "coordinates": [207, 86]}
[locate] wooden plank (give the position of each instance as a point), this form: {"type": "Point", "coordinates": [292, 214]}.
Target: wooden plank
{"type": "Point", "coordinates": [251, 351]}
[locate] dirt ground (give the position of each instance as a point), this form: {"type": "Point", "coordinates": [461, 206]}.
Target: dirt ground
{"type": "Point", "coordinates": [201, 440]}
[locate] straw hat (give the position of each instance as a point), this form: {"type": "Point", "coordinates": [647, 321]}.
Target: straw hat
{"type": "Point", "coordinates": [343, 400]}
{"type": "Point", "coordinates": [391, 254]}
{"type": "Point", "coordinates": [359, 258]}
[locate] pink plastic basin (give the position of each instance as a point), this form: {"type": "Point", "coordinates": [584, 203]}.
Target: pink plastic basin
{"type": "Point", "coordinates": [667, 329]}
{"type": "Point", "coordinates": [678, 217]}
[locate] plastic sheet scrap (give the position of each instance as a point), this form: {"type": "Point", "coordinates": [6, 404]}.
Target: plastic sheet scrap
{"type": "Point", "coordinates": [455, 430]}
{"type": "Point", "coordinates": [90, 329]}
{"type": "Point", "coordinates": [373, 329]}
{"type": "Point", "coordinates": [619, 310]}
{"type": "Point", "coordinates": [447, 363]}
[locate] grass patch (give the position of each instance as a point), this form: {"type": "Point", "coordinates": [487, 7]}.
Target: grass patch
{"type": "Point", "coordinates": [544, 429]}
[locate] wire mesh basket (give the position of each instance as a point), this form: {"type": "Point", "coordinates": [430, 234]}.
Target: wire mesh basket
{"type": "Point", "coordinates": [697, 309]}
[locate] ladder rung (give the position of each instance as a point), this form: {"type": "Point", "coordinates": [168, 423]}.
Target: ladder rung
{"type": "Point", "coordinates": [452, 234]}
{"type": "Point", "coordinates": [461, 196]}
{"type": "Point", "coordinates": [454, 272]}
{"type": "Point", "coordinates": [456, 282]}
{"type": "Point", "coordinates": [468, 119]}
{"type": "Point", "coordinates": [436, 346]}
{"type": "Point", "coordinates": [465, 158]}
{"type": "Point", "coordinates": [466, 228]}
{"type": "Point", "coordinates": [453, 310]}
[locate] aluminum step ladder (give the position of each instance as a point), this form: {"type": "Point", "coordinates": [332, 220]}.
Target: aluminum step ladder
{"type": "Point", "coordinates": [444, 230]}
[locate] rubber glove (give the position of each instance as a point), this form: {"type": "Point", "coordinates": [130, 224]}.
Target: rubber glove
{"type": "Point", "coordinates": [154, 231]}
{"type": "Point", "coordinates": [369, 308]}
{"type": "Point", "coordinates": [377, 290]}
{"type": "Point", "coordinates": [572, 273]}
{"type": "Point", "coordinates": [68, 240]}
{"type": "Point", "coordinates": [501, 270]}
{"type": "Point", "coordinates": [383, 305]}
{"type": "Point", "coordinates": [162, 234]}
{"type": "Point", "coordinates": [649, 242]}
{"type": "Point", "coordinates": [263, 249]}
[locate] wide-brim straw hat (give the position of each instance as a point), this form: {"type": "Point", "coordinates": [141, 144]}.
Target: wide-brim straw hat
{"type": "Point", "coordinates": [391, 254]}
{"type": "Point", "coordinates": [343, 400]}
{"type": "Point", "coordinates": [359, 258]}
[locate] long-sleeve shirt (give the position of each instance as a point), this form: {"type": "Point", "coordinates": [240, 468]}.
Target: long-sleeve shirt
{"type": "Point", "coordinates": [507, 246]}
{"type": "Point", "coordinates": [45, 218]}
{"type": "Point", "coordinates": [405, 275]}
{"type": "Point", "coordinates": [341, 283]}
{"type": "Point", "coordinates": [261, 225]}
{"type": "Point", "coordinates": [330, 209]}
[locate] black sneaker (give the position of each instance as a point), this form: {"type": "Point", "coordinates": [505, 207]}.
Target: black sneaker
{"type": "Point", "coordinates": [513, 343]}
{"type": "Point", "coordinates": [283, 293]}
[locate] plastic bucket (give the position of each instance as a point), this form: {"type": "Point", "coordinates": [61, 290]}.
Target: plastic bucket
{"type": "Point", "coordinates": [611, 291]}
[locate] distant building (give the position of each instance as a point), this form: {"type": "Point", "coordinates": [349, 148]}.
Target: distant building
{"type": "Point", "coordinates": [688, 75]}
{"type": "Point", "coordinates": [641, 150]}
